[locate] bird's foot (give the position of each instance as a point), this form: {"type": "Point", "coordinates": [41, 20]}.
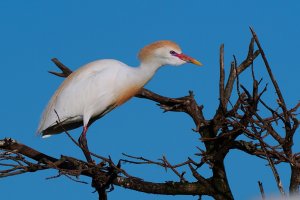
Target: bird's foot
{"type": "Point", "coordinates": [84, 147]}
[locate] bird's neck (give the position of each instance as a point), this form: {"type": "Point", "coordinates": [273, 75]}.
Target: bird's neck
{"type": "Point", "coordinates": [146, 70]}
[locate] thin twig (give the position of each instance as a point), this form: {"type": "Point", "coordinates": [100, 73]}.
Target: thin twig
{"type": "Point", "coordinates": [222, 78]}
{"type": "Point", "coordinates": [274, 170]}
{"type": "Point", "coordinates": [276, 86]}
{"type": "Point", "coordinates": [182, 179]}
{"type": "Point", "coordinates": [262, 191]}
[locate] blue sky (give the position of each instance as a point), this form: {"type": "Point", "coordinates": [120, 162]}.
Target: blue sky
{"type": "Point", "coordinates": [77, 32]}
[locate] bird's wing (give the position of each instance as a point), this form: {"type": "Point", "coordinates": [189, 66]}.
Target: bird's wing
{"type": "Point", "coordinates": [86, 93]}
{"type": "Point", "coordinates": [72, 123]}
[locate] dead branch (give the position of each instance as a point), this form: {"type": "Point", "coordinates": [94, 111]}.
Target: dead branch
{"type": "Point", "coordinates": [83, 168]}
{"type": "Point", "coordinates": [219, 135]}
{"type": "Point", "coordinates": [274, 170]}
{"type": "Point", "coordinates": [65, 71]}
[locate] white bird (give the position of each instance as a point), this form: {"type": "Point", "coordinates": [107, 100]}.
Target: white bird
{"type": "Point", "coordinates": [100, 86]}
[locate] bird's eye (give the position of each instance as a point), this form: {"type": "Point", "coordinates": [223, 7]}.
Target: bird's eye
{"type": "Point", "coordinates": [173, 53]}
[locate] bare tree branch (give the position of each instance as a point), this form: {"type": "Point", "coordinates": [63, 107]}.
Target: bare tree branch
{"type": "Point", "coordinates": [245, 116]}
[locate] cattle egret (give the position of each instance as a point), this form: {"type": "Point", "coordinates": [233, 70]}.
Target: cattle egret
{"type": "Point", "coordinates": [100, 86]}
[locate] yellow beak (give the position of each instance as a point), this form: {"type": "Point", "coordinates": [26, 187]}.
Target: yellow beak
{"type": "Point", "coordinates": [196, 62]}
{"type": "Point", "coordinates": [189, 59]}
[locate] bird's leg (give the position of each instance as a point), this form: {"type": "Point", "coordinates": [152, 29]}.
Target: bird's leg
{"type": "Point", "coordinates": [83, 145]}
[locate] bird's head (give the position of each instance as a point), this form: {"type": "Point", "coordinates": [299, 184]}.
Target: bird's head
{"type": "Point", "coordinates": [165, 52]}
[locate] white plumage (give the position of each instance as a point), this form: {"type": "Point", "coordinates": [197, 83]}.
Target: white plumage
{"type": "Point", "coordinates": [96, 88]}
{"type": "Point", "coordinates": [88, 92]}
